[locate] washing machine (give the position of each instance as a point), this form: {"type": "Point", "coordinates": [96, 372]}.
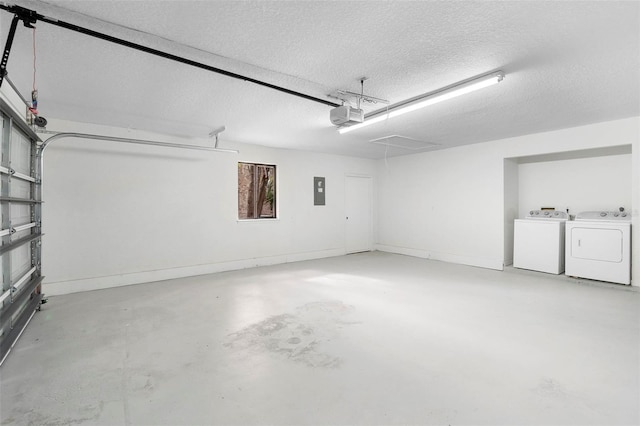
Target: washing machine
{"type": "Point", "coordinates": [598, 246]}
{"type": "Point", "coordinates": [538, 243]}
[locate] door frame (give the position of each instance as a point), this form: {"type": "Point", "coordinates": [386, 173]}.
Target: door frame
{"type": "Point", "coordinates": [370, 178]}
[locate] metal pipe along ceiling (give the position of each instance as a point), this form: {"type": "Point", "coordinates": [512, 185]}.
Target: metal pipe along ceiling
{"type": "Point", "coordinates": [59, 136]}
{"type": "Point", "coordinates": [31, 14]}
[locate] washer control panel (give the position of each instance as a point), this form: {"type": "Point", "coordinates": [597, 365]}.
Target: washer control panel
{"type": "Point", "coordinates": [548, 214]}
{"type": "Point", "coordinates": [605, 215]}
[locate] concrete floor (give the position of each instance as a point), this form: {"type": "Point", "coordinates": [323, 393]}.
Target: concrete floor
{"type": "Point", "coordinates": [372, 338]}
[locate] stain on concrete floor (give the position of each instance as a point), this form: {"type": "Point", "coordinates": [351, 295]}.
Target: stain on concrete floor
{"type": "Point", "coordinates": [297, 336]}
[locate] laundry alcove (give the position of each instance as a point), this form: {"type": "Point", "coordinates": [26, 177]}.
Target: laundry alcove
{"type": "Point", "coordinates": [579, 180]}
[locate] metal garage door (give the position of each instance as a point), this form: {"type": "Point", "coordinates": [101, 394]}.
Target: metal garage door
{"type": "Point", "coordinates": [20, 217]}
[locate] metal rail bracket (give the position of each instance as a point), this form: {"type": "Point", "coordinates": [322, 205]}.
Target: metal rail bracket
{"type": "Point", "coordinates": [28, 18]}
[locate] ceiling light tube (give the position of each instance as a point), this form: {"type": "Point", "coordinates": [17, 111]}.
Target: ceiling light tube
{"type": "Point", "coordinates": [430, 98]}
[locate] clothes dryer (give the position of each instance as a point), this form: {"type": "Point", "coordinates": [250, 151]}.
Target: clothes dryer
{"type": "Point", "coordinates": [598, 246]}
{"type": "Point", "coordinates": [539, 241]}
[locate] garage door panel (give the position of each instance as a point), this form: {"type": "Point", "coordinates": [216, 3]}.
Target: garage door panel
{"type": "Point", "coordinates": [19, 231]}
{"type": "Point", "coordinates": [5, 283]}
{"type": "Point", "coordinates": [20, 262]}
{"type": "Point", "coordinates": [20, 188]}
{"type": "Point", "coordinates": [20, 214]}
{"type": "Point", "coordinates": [20, 153]}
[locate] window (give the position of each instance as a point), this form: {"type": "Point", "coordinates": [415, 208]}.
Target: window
{"type": "Point", "coordinates": [256, 191]}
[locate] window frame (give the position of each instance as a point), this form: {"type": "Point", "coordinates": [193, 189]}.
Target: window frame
{"type": "Point", "coordinates": [274, 206]}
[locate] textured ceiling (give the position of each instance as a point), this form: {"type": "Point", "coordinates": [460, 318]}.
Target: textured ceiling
{"type": "Point", "coordinates": [566, 64]}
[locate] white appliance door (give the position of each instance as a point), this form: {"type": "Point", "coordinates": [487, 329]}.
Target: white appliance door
{"type": "Point", "coordinates": [596, 244]}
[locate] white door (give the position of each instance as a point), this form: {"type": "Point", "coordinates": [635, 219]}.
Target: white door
{"type": "Point", "coordinates": [358, 200]}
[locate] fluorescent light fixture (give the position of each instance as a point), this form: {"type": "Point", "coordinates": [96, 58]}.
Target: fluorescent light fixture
{"type": "Point", "coordinates": [427, 99]}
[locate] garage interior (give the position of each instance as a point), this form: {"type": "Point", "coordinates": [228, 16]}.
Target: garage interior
{"type": "Point", "coordinates": [220, 240]}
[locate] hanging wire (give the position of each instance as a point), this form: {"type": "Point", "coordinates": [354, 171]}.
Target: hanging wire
{"type": "Point", "coordinates": [34, 90]}
{"type": "Point", "coordinates": [34, 59]}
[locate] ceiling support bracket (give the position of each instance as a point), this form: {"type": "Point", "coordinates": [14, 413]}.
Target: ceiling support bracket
{"type": "Point", "coordinates": [28, 18]}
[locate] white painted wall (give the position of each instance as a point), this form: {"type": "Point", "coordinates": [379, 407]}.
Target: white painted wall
{"type": "Point", "coordinates": [449, 205]}
{"type": "Point", "coordinates": [583, 184]}
{"type": "Point", "coordinates": [443, 205]}
{"type": "Point", "coordinates": [511, 200]}
{"type": "Point", "coordinates": [144, 213]}
{"type": "Point", "coordinates": [118, 214]}
{"type": "Point", "coordinates": [635, 203]}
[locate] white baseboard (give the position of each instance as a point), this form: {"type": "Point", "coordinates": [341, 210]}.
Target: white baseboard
{"type": "Point", "coordinates": [98, 283]}
{"type": "Point", "coordinates": [445, 257]}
